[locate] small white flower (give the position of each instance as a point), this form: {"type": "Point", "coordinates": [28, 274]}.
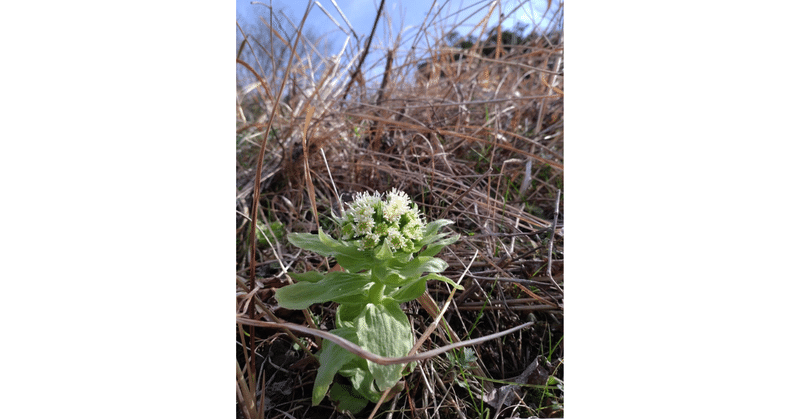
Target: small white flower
{"type": "Point", "coordinates": [363, 213]}
{"type": "Point", "coordinates": [348, 230]}
{"type": "Point", "coordinates": [413, 231]}
{"type": "Point", "coordinates": [369, 241]}
{"type": "Point", "coordinates": [397, 205]}
{"type": "Point", "coordinates": [394, 238]}
{"type": "Point", "coordinates": [381, 229]}
{"type": "Point", "coordinates": [398, 195]}
{"type": "Point", "coordinates": [364, 226]}
{"type": "Point", "coordinates": [365, 199]}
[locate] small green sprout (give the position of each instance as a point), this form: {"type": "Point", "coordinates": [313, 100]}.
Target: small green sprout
{"type": "Point", "coordinates": [385, 248]}
{"type": "Point", "coordinates": [263, 235]}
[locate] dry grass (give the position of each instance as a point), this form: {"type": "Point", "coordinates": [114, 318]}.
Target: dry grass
{"type": "Point", "coordinates": [477, 140]}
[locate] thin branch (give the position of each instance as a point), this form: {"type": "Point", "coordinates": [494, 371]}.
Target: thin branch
{"type": "Point", "coordinates": [366, 51]}
{"type": "Point", "coordinates": [550, 247]}
{"type": "Point", "coordinates": [380, 360]}
{"type": "Point", "coordinates": [386, 73]}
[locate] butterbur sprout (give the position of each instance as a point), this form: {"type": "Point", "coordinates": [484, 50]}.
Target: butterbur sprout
{"type": "Point", "coordinates": [375, 280]}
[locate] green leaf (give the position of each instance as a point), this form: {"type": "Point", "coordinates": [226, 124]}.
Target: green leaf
{"type": "Point", "coordinates": [434, 226]}
{"type": "Point", "coordinates": [311, 242]}
{"type": "Point", "coordinates": [434, 241]}
{"type": "Point", "coordinates": [433, 238]}
{"type": "Point", "coordinates": [410, 291]}
{"type": "Point", "coordinates": [402, 256]}
{"type": "Point", "coordinates": [384, 330]}
{"type": "Point", "coordinates": [334, 286]}
{"type": "Point", "coordinates": [347, 399]}
{"type": "Point", "coordinates": [349, 257]}
{"type": "Point", "coordinates": [444, 279]}
{"type": "Point", "coordinates": [379, 272]}
{"type": "Point", "coordinates": [353, 299]}
{"type": "Point", "coordinates": [415, 289]}
{"type": "Point", "coordinates": [420, 265]}
{"type": "Point", "coordinates": [327, 240]}
{"type": "Point", "coordinates": [346, 313]}
{"type": "Point", "coordinates": [355, 263]}
{"type": "Point", "coordinates": [384, 253]}
{"type": "Point", "coordinates": [434, 248]}
{"type": "Point", "coordinates": [362, 379]}
{"type": "Point", "coordinates": [310, 276]}
{"type": "Point", "coordinates": [331, 360]}
{"type": "Point", "coordinates": [393, 278]}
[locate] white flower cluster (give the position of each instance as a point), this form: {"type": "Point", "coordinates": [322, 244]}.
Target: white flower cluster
{"type": "Point", "coordinates": [371, 221]}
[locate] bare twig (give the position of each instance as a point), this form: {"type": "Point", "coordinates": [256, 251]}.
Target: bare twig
{"type": "Point", "coordinates": [380, 360]}
{"type": "Point", "coordinates": [386, 74]}
{"type": "Point", "coordinates": [550, 247]}
{"type": "Point", "coordinates": [366, 51]}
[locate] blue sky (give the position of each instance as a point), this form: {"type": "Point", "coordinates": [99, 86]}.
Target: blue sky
{"type": "Point", "coordinates": [361, 13]}
{"type": "Point", "coordinates": [406, 17]}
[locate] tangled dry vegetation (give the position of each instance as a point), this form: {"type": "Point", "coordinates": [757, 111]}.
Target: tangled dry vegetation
{"type": "Point", "coordinates": [471, 136]}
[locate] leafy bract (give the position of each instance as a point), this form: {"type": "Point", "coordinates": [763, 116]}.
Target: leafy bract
{"type": "Point", "coordinates": [421, 264]}
{"type": "Point", "coordinates": [446, 279]}
{"type": "Point", "coordinates": [435, 247]}
{"type": "Point", "coordinates": [415, 289]}
{"type": "Point", "coordinates": [311, 242]}
{"type": "Point", "coordinates": [310, 276]}
{"type": "Point", "coordinates": [383, 329]}
{"type": "Point", "coordinates": [348, 256]}
{"type": "Point", "coordinates": [409, 291]}
{"type": "Point", "coordinates": [346, 314]}
{"type": "Point", "coordinates": [434, 227]}
{"type": "Point", "coordinates": [384, 253]}
{"type": "Point", "coordinates": [333, 287]}
{"type": "Point", "coordinates": [346, 399]}
{"type": "Point", "coordinates": [362, 379]}
{"type": "Point", "coordinates": [331, 359]}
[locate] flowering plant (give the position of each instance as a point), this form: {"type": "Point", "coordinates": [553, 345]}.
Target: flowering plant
{"type": "Point", "coordinates": [385, 248]}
